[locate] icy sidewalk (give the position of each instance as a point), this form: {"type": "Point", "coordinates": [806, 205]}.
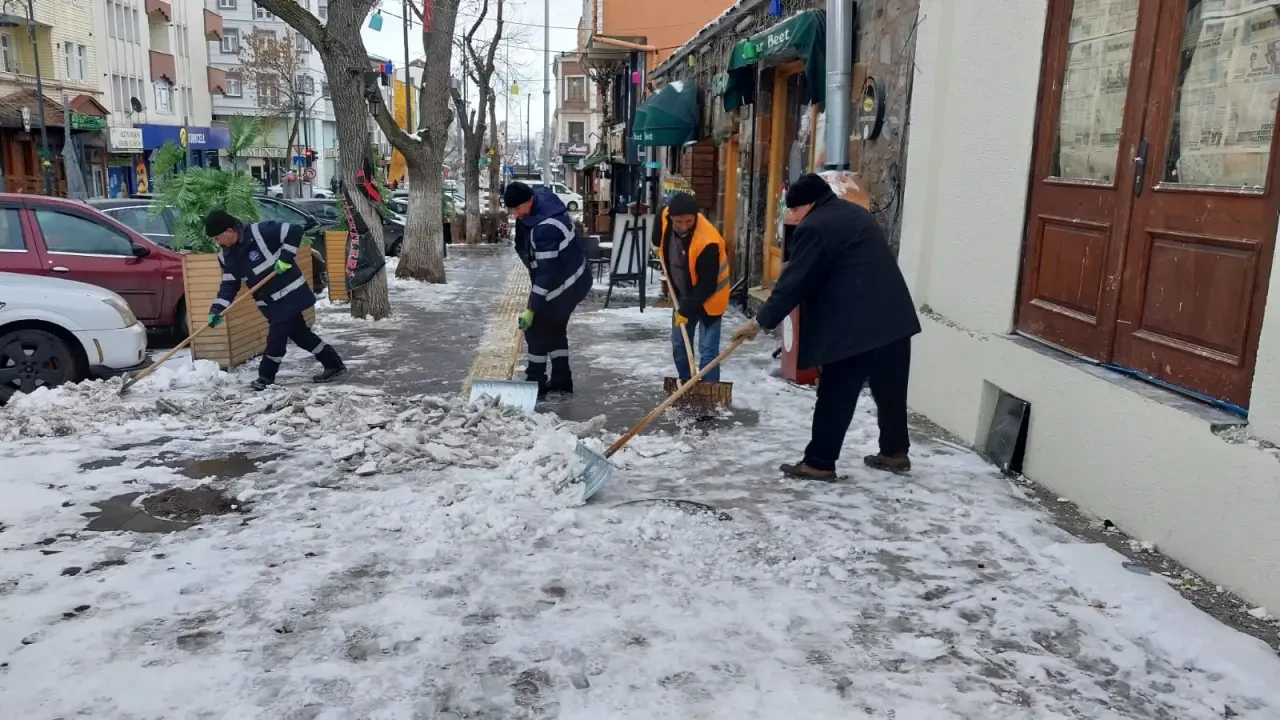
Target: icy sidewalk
{"type": "Point", "coordinates": [397, 555]}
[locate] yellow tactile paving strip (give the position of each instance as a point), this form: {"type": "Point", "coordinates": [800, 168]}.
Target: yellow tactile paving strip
{"type": "Point", "coordinates": [500, 347]}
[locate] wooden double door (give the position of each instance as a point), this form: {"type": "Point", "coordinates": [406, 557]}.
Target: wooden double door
{"type": "Point", "coordinates": [1152, 214]}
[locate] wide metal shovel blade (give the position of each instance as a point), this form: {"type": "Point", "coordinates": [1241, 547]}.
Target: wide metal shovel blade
{"type": "Point", "coordinates": [513, 393]}
{"type": "Point", "coordinates": [597, 471]}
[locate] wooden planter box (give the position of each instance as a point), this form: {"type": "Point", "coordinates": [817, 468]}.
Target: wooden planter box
{"type": "Point", "coordinates": [243, 332]}
{"type": "Point", "coordinates": [335, 264]}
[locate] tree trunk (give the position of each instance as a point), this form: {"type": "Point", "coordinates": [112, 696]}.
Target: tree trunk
{"type": "Point", "coordinates": [344, 60]}
{"type": "Point", "coordinates": [495, 160]}
{"type": "Point", "coordinates": [422, 252]}
{"type": "Point", "coordinates": [472, 173]}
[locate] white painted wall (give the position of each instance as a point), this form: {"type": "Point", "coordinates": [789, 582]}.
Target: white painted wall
{"type": "Point", "coordinates": [1120, 449]}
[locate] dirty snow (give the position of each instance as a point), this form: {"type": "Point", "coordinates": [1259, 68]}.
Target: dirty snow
{"type": "Point", "coordinates": [413, 557]}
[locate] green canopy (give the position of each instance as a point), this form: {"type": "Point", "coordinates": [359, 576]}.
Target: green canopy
{"type": "Point", "coordinates": [802, 36]}
{"type": "Point", "coordinates": [596, 157]}
{"type": "Point", "coordinates": [671, 116]}
{"type": "Point", "coordinates": [637, 124]}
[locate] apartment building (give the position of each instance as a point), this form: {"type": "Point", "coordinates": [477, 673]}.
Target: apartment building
{"type": "Point", "coordinates": [156, 83]}
{"type": "Point", "coordinates": [246, 93]}
{"type": "Point", "coordinates": [60, 63]}
{"type": "Point", "coordinates": [577, 118]}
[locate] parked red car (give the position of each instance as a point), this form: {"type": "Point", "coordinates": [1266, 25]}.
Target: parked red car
{"type": "Point", "coordinates": [68, 239]}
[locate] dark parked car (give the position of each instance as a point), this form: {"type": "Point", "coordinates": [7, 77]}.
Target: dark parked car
{"type": "Point", "coordinates": [326, 213]}
{"type": "Point", "coordinates": [135, 213]}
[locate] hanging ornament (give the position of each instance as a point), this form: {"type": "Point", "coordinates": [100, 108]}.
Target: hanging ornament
{"type": "Point", "coordinates": [775, 8]}
{"type": "Point", "coordinates": [375, 21]}
{"type": "Point", "coordinates": [749, 51]}
{"type": "Point", "coordinates": [693, 62]}
{"type": "Point", "coordinates": [515, 88]}
{"type": "Point", "coordinates": [428, 15]}
{"type": "Point", "coordinates": [635, 77]}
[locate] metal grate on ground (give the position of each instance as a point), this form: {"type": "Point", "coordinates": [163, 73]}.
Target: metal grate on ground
{"type": "Point", "coordinates": [500, 347]}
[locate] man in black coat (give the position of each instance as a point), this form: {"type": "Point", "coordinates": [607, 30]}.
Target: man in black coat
{"type": "Point", "coordinates": [857, 320]}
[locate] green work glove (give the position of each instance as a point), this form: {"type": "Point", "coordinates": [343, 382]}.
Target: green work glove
{"type": "Point", "coordinates": [215, 319]}
{"type": "Point", "coordinates": [282, 267]}
{"type": "Point", "coordinates": [525, 320]}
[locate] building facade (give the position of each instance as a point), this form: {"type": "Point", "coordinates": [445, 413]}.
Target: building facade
{"type": "Point", "coordinates": [67, 57]}
{"type": "Point", "coordinates": [577, 118]}
{"type": "Point", "coordinates": [157, 83]}
{"type": "Point", "coordinates": [251, 89]}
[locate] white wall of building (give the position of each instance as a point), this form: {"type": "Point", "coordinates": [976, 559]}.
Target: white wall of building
{"type": "Point", "coordinates": [123, 40]}
{"type": "Point", "coordinates": [1143, 458]}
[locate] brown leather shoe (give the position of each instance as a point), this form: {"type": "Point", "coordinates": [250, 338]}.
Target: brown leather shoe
{"type": "Point", "coordinates": [888, 463]}
{"type": "Point", "coordinates": [800, 470]}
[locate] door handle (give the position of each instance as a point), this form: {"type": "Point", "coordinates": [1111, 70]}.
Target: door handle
{"type": "Point", "coordinates": [1140, 167]}
{"type": "Point", "coordinates": [59, 269]}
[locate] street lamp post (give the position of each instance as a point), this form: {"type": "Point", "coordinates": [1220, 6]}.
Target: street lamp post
{"type": "Point", "coordinates": [46, 164]}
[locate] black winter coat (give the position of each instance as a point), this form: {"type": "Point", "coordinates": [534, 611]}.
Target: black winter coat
{"type": "Point", "coordinates": [844, 278]}
{"type": "Point", "coordinates": [252, 258]}
{"type": "Point", "coordinates": [548, 245]}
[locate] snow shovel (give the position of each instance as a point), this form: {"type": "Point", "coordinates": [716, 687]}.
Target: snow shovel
{"type": "Point", "coordinates": [134, 380]}
{"type": "Point", "coordinates": [521, 394]}
{"type": "Point", "coordinates": [705, 394]}
{"type": "Point", "coordinates": [597, 471]}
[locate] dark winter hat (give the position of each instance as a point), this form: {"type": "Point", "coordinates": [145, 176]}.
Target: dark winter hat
{"type": "Point", "coordinates": [682, 204]}
{"type": "Point", "coordinates": [808, 189]}
{"type": "Point", "coordinates": [218, 222]}
{"type": "Point", "coordinates": [516, 194]}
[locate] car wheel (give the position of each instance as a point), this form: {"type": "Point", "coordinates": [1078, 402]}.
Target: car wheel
{"type": "Point", "coordinates": [319, 280]}
{"type": "Point", "coordinates": [394, 250]}
{"type": "Point", "coordinates": [32, 359]}
{"type": "Point", "coordinates": [573, 205]}
{"type": "Point", "coordinates": [181, 328]}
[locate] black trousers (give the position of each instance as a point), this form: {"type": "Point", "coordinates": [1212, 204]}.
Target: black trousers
{"type": "Point", "coordinates": [547, 340]}
{"type": "Point", "coordinates": [279, 334]}
{"type": "Point", "coordinates": [886, 369]}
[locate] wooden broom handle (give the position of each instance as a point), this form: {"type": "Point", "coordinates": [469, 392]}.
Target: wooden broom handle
{"type": "Point", "coordinates": [671, 290]}
{"type": "Point", "coordinates": [640, 426]}
{"type": "Point", "coordinates": [134, 380]}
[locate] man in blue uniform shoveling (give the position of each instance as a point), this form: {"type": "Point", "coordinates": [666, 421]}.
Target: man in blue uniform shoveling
{"type": "Point", "coordinates": [248, 254]}
{"type": "Point", "coordinates": [549, 247]}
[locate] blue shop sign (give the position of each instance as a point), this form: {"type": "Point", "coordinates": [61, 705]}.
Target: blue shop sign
{"type": "Point", "coordinates": [197, 138]}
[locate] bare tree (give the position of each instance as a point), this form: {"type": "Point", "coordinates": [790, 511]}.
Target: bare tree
{"type": "Point", "coordinates": [478, 64]}
{"type": "Point", "coordinates": [495, 154]}
{"type": "Point", "coordinates": [346, 61]}
{"type": "Point", "coordinates": [275, 68]}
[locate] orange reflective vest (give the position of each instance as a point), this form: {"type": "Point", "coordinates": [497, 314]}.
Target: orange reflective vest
{"type": "Point", "coordinates": [704, 234]}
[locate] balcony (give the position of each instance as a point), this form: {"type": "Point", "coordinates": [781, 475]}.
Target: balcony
{"type": "Point", "coordinates": [212, 25]}
{"type": "Point", "coordinates": [163, 66]}
{"type": "Point", "coordinates": [159, 11]}
{"type": "Point", "coordinates": [217, 80]}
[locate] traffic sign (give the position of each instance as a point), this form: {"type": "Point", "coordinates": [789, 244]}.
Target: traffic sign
{"type": "Point", "coordinates": [299, 160]}
{"type": "Point", "coordinates": [310, 174]}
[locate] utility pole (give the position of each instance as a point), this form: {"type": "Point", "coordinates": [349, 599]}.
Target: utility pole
{"type": "Point", "coordinates": [528, 130]}
{"type": "Point", "coordinates": [408, 82]}
{"type": "Point", "coordinates": [46, 164]}
{"type": "Point", "coordinates": [546, 92]}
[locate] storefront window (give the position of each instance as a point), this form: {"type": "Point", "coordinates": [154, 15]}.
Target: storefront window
{"type": "Point", "coordinates": [799, 139]}
{"type": "Point", "coordinates": [1225, 96]}
{"type": "Point", "coordinates": [1095, 86]}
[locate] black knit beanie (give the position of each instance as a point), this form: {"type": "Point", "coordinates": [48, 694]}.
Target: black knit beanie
{"type": "Point", "coordinates": [218, 222]}
{"type": "Point", "coordinates": [682, 204]}
{"type": "Point", "coordinates": [808, 189]}
{"type": "Point", "coordinates": [516, 194]}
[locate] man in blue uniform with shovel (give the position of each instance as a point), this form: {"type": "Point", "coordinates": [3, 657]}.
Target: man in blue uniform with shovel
{"type": "Point", "coordinates": [549, 247]}
{"type": "Point", "coordinates": [248, 253]}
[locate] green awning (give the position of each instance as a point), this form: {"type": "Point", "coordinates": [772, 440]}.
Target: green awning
{"type": "Point", "coordinates": [597, 156]}
{"type": "Point", "coordinates": [637, 124]}
{"type": "Point", "coordinates": [671, 117]}
{"type": "Point", "coordinates": [802, 36]}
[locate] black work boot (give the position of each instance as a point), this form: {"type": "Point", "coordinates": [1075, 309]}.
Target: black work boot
{"type": "Point", "coordinates": [260, 384]}
{"type": "Point", "coordinates": [888, 463]}
{"type": "Point", "coordinates": [805, 472]}
{"type": "Point", "coordinates": [330, 373]}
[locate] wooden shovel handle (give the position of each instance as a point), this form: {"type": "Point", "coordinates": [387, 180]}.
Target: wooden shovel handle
{"type": "Point", "coordinates": [671, 290]}
{"type": "Point", "coordinates": [134, 380]}
{"type": "Point", "coordinates": [640, 426]}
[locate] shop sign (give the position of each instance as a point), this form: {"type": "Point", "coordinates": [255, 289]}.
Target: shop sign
{"type": "Point", "coordinates": [122, 139]}
{"type": "Point", "coordinates": [80, 121]}
{"type": "Point", "coordinates": [574, 149]}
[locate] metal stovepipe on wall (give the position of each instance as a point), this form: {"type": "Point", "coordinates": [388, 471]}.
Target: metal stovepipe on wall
{"type": "Point", "coordinates": [839, 82]}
